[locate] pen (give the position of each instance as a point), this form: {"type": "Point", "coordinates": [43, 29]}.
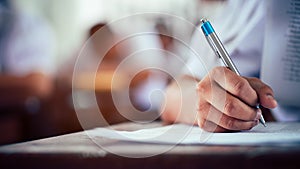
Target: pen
{"type": "Point", "coordinates": [219, 49]}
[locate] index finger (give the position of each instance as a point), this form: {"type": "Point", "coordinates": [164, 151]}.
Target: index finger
{"type": "Point", "coordinates": [235, 84]}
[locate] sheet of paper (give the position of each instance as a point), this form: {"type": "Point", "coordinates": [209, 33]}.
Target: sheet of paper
{"type": "Point", "coordinates": [274, 133]}
{"type": "Point", "coordinates": [281, 54]}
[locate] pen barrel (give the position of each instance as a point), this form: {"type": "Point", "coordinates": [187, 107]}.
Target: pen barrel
{"type": "Point", "coordinates": [221, 52]}
{"type": "Point", "coordinates": [217, 46]}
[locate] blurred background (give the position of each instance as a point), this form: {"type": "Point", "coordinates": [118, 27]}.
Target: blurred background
{"type": "Point", "coordinates": [41, 40]}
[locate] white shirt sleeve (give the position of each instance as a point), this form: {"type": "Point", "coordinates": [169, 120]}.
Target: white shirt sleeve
{"type": "Point", "coordinates": [30, 47]}
{"type": "Point", "coordinates": [202, 58]}
{"type": "Point", "coordinates": [240, 27]}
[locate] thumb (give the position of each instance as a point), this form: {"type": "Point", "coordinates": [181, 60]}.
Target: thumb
{"type": "Point", "coordinates": [264, 92]}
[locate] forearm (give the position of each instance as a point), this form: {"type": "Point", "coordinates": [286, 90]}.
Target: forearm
{"type": "Point", "coordinates": [181, 100]}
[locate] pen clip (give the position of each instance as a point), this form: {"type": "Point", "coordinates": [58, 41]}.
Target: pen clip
{"type": "Point", "coordinates": [212, 45]}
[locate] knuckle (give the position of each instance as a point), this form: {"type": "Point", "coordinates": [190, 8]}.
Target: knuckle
{"type": "Point", "coordinates": [239, 86]}
{"type": "Point", "coordinates": [202, 87]}
{"type": "Point", "coordinates": [230, 124]}
{"type": "Point", "coordinates": [201, 123]}
{"type": "Point", "coordinates": [229, 106]}
{"type": "Point", "coordinates": [217, 71]}
{"type": "Point", "coordinates": [203, 109]}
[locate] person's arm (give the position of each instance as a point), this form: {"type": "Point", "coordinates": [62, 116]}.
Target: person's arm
{"type": "Point", "coordinates": [15, 89]}
{"type": "Point", "coordinates": [221, 101]}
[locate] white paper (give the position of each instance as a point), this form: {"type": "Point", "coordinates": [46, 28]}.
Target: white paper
{"type": "Point", "coordinates": [274, 133]}
{"type": "Point", "coordinates": [281, 54]}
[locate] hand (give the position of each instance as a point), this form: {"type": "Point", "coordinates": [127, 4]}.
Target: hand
{"type": "Point", "coordinates": [227, 101]}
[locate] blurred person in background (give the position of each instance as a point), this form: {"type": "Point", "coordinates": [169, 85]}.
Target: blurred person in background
{"type": "Point", "coordinates": [78, 73]}
{"type": "Point", "coordinates": [26, 60]}
{"type": "Point", "coordinates": [125, 60]}
{"type": "Point", "coordinates": [27, 56]}
{"type": "Point", "coordinates": [135, 60]}
{"type": "Point", "coordinates": [169, 56]}
{"type": "Point", "coordinates": [176, 53]}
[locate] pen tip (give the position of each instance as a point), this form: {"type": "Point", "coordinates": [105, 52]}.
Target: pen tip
{"type": "Point", "coordinates": [262, 121]}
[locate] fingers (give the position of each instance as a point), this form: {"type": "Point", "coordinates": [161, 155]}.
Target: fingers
{"type": "Point", "coordinates": [210, 126]}
{"type": "Point", "coordinates": [227, 101]}
{"type": "Point", "coordinates": [213, 120]}
{"type": "Point", "coordinates": [224, 102]}
{"type": "Point", "coordinates": [264, 92]}
{"type": "Point", "coordinates": [236, 85]}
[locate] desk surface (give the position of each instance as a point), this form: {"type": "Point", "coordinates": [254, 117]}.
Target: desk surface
{"type": "Point", "coordinates": [77, 150]}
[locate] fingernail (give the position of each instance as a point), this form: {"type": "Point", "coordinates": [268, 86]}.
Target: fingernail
{"type": "Point", "coordinates": [198, 121]}
{"type": "Point", "coordinates": [271, 97]}
{"type": "Point", "coordinates": [258, 115]}
{"type": "Point", "coordinates": [255, 123]}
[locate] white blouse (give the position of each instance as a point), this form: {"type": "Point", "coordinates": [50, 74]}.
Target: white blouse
{"type": "Point", "coordinates": [240, 26]}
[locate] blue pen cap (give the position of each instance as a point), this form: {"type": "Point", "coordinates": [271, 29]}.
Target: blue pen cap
{"type": "Point", "coordinates": [207, 28]}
